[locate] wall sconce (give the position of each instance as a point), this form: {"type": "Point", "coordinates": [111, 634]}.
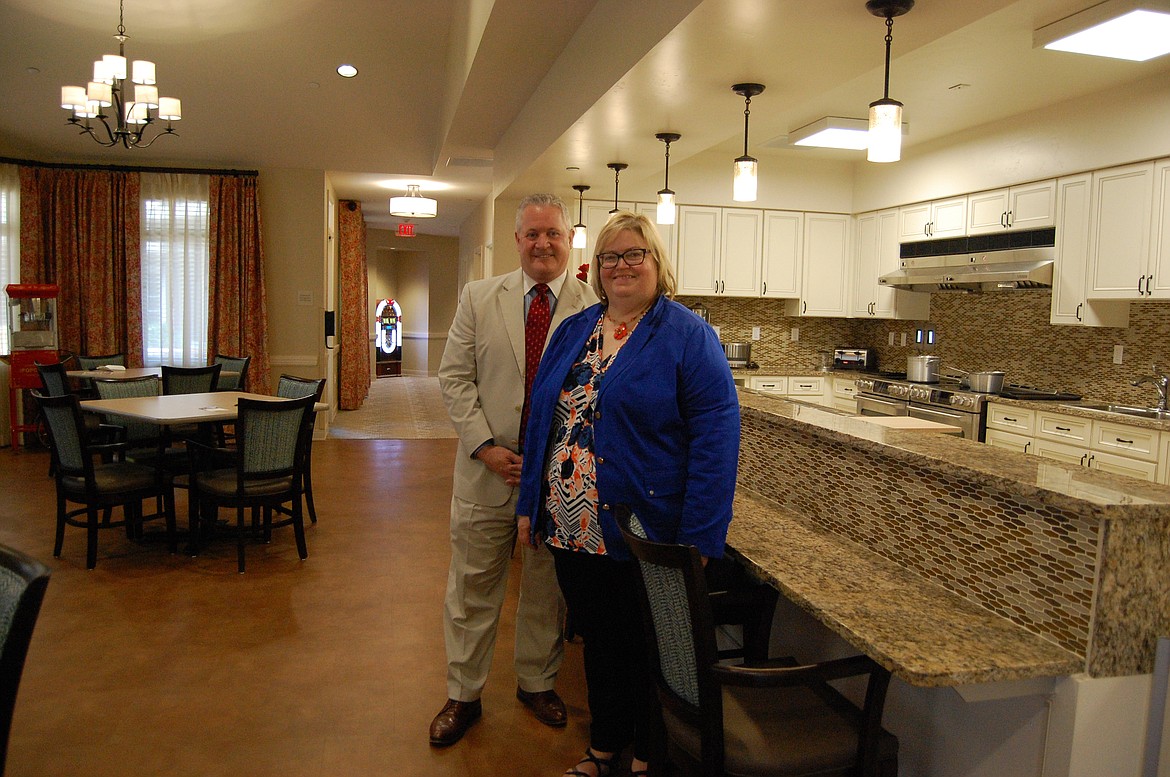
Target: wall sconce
{"type": "Point", "coordinates": [885, 115]}
{"type": "Point", "coordinates": [617, 168]}
{"type": "Point", "coordinates": [579, 233]}
{"type": "Point", "coordinates": [665, 213]}
{"type": "Point", "coordinates": [1119, 29]}
{"type": "Point", "coordinates": [743, 182]}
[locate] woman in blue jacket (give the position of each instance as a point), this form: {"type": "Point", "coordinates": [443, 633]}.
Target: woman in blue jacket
{"type": "Point", "coordinates": [633, 404]}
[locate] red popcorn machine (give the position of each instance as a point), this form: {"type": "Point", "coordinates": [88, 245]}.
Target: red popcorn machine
{"type": "Point", "coordinates": [32, 339]}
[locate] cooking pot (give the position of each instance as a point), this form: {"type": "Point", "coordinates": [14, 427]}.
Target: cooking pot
{"type": "Point", "coordinates": [922, 369]}
{"type": "Point", "coordinates": [990, 382]}
{"type": "Point", "coordinates": [738, 354]}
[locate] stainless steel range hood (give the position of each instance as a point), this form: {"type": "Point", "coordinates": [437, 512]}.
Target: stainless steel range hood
{"type": "Point", "coordinates": [1019, 268]}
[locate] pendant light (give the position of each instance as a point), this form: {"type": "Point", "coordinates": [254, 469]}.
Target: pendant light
{"type": "Point", "coordinates": [413, 205]}
{"type": "Point", "coordinates": [885, 115]}
{"type": "Point", "coordinates": [579, 233]}
{"type": "Point", "coordinates": [617, 168]}
{"type": "Point", "coordinates": [665, 214]}
{"type": "Point", "coordinates": [743, 187]}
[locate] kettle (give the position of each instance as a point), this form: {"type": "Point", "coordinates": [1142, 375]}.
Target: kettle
{"type": "Point", "coordinates": [701, 311]}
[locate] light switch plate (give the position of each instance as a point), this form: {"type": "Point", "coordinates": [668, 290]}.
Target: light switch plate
{"type": "Point", "coordinates": [795, 333]}
{"type": "Point", "coordinates": [1117, 354]}
{"type": "Point", "coordinates": [755, 333]}
{"type": "Point", "coordinates": [904, 338]}
{"type": "Point", "coordinates": [891, 338]}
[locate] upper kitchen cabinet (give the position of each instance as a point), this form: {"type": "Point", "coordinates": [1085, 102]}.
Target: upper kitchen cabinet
{"type": "Point", "coordinates": [720, 251]}
{"type": "Point", "coordinates": [1121, 263]}
{"type": "Point", "coordinates": [1031, 206]}
{"type": "Point", "coordinates": [877, 254]}
{"type": "Point", "coordinates": [1158, 282]}
{"type": "Point", "coordinates": [783, 253]}
{"type": "Point", "coordinates": [596, 214]}
{"type": "Point", "coordinates": [825, 281]}
{"type": "Point", "coordinates": [933, 220]}
{"type": "Point", "coordinates": [667, 231]}
{"type": "Point", "coordinates": [1071, 268]}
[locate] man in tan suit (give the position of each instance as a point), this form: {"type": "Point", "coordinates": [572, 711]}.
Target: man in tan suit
{"type": "Point", "coordinates": [482, 377]}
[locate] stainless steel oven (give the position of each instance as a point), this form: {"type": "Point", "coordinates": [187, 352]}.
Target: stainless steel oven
{"type": "Point", "coordinates": [875, 405]}
{"type": "Point", "coordinates": [942, 403]}
{"type": "Point", "coordinates": [968, 422]}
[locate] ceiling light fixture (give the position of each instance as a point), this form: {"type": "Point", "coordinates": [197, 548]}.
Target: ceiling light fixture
{"type": "Point", "coordinates": [347, 71]}
{"type": "Point", "coordinates": [665, 213]}
{"type": "Point", "coordinates": [579, 233]}
{"type": "Point", "coordinates": [885, 115]}
{"type": "Point", "coordinates": [833, 132]}
{"type": "Point", "coordinates": [1119, 29]}
{"type": "Point", "coordinates": [743, 182]}
{"type": "Point", "coordinates": [413, 205]}
{"type": "Point", "coordinates": [108, 88]}
{"type": "Point", "coordinates": [617, 168]}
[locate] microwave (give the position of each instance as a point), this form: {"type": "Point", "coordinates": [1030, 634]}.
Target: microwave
{"type": "Point", "coordinates": [854, 359]}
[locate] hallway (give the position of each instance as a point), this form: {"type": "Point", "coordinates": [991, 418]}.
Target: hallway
{"type": "Point", "coordinates": [164, 665]}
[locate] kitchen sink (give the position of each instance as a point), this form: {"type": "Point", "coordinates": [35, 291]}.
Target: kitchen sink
{"type": "Point", "coordinates": [1137, 412]}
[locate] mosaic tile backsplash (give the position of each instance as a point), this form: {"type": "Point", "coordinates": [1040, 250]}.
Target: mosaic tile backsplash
{"type": "Point", "coordinates": [1029, 562]}
{"type": "Point", "coordinates": [1006, 331]}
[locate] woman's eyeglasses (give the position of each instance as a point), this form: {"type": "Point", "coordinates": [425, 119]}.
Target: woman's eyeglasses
{"type": "Point", "coordinates": [633, 257]}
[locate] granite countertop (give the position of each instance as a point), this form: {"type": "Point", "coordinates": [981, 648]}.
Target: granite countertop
{"type": "Point", "coordinates": [1064, 486]}
{"type": "Point", "coordinates": [1070, 408]}
{"type": "Point", "coordinates": [922, 633]}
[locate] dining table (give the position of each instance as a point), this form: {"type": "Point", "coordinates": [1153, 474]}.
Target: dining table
{"type": "Point", "coordinates": [172, 409]}
{"type": "Point", "coordinates": [130, 373]}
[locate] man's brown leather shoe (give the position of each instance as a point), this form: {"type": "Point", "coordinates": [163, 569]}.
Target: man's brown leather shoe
{"type": "Point", "coordinates": [549, 708]}
{"type": "Point", "coordinates": [453, 720]}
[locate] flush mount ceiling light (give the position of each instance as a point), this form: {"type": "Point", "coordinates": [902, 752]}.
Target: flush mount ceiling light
{"type": "Point", "coordinates": [743, 182]}
{"type": "Point", "coordinates": [579, 233]}
{"type": "Point", "coordinates": [347, 71]}
{"type": "Point", "coordinates": [413, 205]}
{"type": "Point", "coordinates": [1119, 29]}
{"type": "Point", "coordinates": [885, 115]}
{"type": "Point", "coordinates": [665, 213]}
{"type": "Point", "coordinates": [108, 89]}
{"type": "Point", "coordinates": [617, 168]}
{"type": "Point", "coordinates": [833, 132]}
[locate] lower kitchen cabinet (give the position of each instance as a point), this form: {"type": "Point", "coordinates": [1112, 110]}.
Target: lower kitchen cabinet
{"type": "Point", "coordinates": [844, 394]}
{"type": "Point", "coordinates": [1013, 442]}
{"type": "Point", "coordinates": [805, 389]}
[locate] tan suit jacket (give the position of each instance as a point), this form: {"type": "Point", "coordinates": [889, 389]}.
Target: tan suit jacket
{"type": "Point", "coordinates": [482, 373]}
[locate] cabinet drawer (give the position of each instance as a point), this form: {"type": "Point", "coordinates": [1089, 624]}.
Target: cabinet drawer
{"type": "Point", "coordinates": [1063, 428]}
{"type": "Point", "coordinates": [844, 388]}
{"type": "Point", "coordinates": [806, 386]}
{"type": "Point", "coordinates": [1131, 441]}
{"type": "Point", "coordinates": [771, 385]}
{"type": "Point", "coordinates": [1020, 420]}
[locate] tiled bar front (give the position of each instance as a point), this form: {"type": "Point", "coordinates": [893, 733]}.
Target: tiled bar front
{"type": "Point", "coordinates": [1076, 557]}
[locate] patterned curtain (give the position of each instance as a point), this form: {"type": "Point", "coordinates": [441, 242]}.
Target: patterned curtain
{"type": "Point", "coordinates": [80, 230]}
{"type": "Point", "coordinates": [237, 319]}
{"type": "Point", "coordinates": [354, 327]}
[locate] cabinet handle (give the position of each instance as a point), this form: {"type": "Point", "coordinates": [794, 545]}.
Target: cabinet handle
{"type": "Point", "coordinates": [1083, 457]}
{"type": "Point", "coordinates": [1078, 314]}
{"type": "Point", "coordinates": [1123, 442]}
{"type": "Point", "coordinates": [1091, 457]}
{"type": "Point", "coordinates": [1149, 285]}
{"type": "Point", "coordinates": [1140, 281]}
{"type": "Point", "coordinates": [765, 287]}
{"type": "Point", "coordinates": [1003, 219]}
{"type": "Point", "coordinates": [1063, 429]}
{"type": "Point", "coordinates": [1009, 218]}
{"type": "Point", "coordinates": [1011, 420]}
{"type": "Point", "coordinates": [803, 307]}
{"type": "Point", "coordinates": [1027, 445]}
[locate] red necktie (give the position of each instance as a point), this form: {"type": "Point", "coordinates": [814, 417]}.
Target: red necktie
{"type": "Point", "coordinates": [535, 331]}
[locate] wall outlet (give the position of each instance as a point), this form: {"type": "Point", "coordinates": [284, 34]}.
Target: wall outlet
{"type": "Point", "coordinates": [891, 338]}
{"type": "Point", "coordinates": [716, 331]}
{"type": "Point", "coordinates": [795, 334]}
{"type": "Point", "coordinates": [904, 339]}
{"type": "Point", "coordinates": [1117, 354]}
{"type": "Point", "coordinates": [755, 333]}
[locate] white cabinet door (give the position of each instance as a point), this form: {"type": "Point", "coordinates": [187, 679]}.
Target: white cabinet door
{"type": "Point", "coordinates": [1071, 269]}
{"type": "Point", "coordinates": [698, 250]}
{"type": "Point", "coordinates": [783, 240]}
{"type": "Point", "coordinates": [666, 231]}
{"type": "Point", "coordinates": [914, 222]}
{"type": "Point", "coordinates": [877, 254]}
{"type": "Point", "coordinates": [948, 218]}
{"type": "Point", "coordinates": [866, 268]}
{"type": "Point", "coordinates": [825, 286]}
{"type": "Point", "coordinates": [1158, 286]}
{"type": "Point", "coordinates": [1032, 206]}
{"type": "Point", "coordinates": [596, 214]}
{"type": "Point", "coordinates": [1013, 442]}
{"type": "Point", "coordinates": [987, 212]}
{"type": "Point", "coordinates": [1119, 237]}
{"type": "Point", "coordinates": [1123, 465]}
{"type": "Point", "coordinates": [741, 252]}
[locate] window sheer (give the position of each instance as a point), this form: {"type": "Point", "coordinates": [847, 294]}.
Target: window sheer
{"type": "Point", "coordinates": [9, 239]}
{"type": "Point", "coordinates": [175, 260]}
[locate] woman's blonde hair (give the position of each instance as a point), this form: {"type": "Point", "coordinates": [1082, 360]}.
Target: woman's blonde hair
{"type": "Point", "coordinates": [644, 228]}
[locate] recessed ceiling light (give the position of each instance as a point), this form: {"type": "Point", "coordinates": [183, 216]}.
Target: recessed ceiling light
{"type": "Point", "coordinates": [1114, 29]}
{"type": "Point", "coordinates": [347, 71]}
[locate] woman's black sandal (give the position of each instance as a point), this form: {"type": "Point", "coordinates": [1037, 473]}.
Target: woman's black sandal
{"type": "Point", "coordinates": [605, 766]}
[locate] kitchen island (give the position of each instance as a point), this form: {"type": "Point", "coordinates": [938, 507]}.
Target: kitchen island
{"type": "Point", "coordinates": [956, 564]}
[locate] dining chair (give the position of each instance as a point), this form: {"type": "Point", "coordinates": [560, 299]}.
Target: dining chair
{"type": "Point", "coordinates": [774, 717]}
{"type": "Point", "coordinates": [267, 472]}
{"type": "Point", "coordinates": [236, 364]}
{"type": "Point", "coordinates": [23, 581]}
{"type": "Point", "coordinates": [190, 380]}
{"type": "Point", "coordinates": [116, 483]}
{"type": "Point", "coordinates": [92, 363]}
{"type": "Point", "coordinates": [293, 387]}
{"type": "Point", "coordinates": [55, 383]}
{"type": "Point", "coordinates": [141, 437]}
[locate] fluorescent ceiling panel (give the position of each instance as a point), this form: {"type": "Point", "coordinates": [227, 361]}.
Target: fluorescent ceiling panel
{"type": "Point", "coordinates": [834, 132]}
{"type": "Point", "coordinates": [1117, 30]}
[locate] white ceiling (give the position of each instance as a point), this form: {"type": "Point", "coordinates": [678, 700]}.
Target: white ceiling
{"type": "Point", "coordinates": [543, 86]}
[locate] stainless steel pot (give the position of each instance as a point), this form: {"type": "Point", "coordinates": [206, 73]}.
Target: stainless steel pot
{"type": "Point", "coordinates": [738, 354]}
{"type": "Point", "coordinates": [922, 369]}
{"type": "Point", "coordinates": [990, 382]}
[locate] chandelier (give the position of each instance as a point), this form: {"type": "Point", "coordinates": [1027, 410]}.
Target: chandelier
{"type": "Point", "coordinates": [123, 116]}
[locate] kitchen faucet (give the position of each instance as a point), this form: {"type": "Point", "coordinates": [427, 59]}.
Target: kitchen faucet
{"type": "Point", "coordinates": [1160, 381]}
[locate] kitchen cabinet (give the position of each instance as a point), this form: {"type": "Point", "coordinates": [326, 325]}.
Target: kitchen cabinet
{"type": "Point", "coordinates": [783, 253]}
{"type": "Point", "coordinates": [719, 251]}
{"type": "Point", "coordinates": [1030, 206]}
{"type": "Point", "coordinates": [596, 213]}
{"type": "Point", "coordinates": [1164, 460]}
{"type": "Point", "coordinates": [769, 384]}
{"type": "Point", "coordinates": [825, 278]}
{"type": "Point", "coordinates": [1158, 283]}
{"type": "Point", "coordinates": [667, 231]}
{"type": "Point", "coordinates": [933, 220]}
{"type": "Point", "coordinates": [1119, 234]}
{"type": "Point", "coordinates": [844, 394]}
{"type": "Point", "coordinates": [806, 389]}
{"type": "Point", "coordinates": [876, 255]}
{"type": "Point", "coordinates": [1009, 440]}
{"type": "Point", "coordinates": [1071, 267]}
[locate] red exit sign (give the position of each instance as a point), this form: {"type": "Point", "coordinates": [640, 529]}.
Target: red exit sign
{"type": "Point", "coordinates": [406, 230]}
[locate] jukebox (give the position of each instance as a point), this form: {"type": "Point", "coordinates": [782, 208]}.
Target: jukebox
{"type": "Point", "coordinates": [388, 338]}
{"type": "Point", "coordinates": [32, 336]}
